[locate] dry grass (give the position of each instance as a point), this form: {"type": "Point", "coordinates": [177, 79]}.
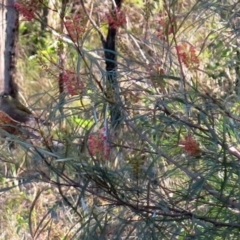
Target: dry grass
{"type": "Point", "coordinates": [149, 187]}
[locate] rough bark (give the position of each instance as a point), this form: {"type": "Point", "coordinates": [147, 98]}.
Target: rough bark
{"type": "Point", "coordinates": [109, 46]}
{"type": "Point", "coordinates": [8, 38]}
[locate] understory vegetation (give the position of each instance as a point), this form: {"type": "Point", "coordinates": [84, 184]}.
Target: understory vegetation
{"type": "Point", "coordinates": [143, 141]}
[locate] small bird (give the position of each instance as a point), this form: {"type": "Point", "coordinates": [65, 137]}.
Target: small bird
{"type": "Point", "coordinates": [16, 119]}
{"type": "Point", "coordinates": [16, 110]}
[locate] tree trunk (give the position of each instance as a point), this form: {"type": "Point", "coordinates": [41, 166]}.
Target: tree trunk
{"type": "Point", "coordinates": [8, 37]}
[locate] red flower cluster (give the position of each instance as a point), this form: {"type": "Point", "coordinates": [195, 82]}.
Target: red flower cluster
{"type": "Point", "coordinates": [155, 68]}
{"type": "Point", "coordinates": [73, 27]}
{"type": "Point", "coordinates": [72, 83]}
{"type": "Point", "coordinates": [166, 26]}
{"type": "Point", "coordinates": [116, 18]}
{"type": "Point", "coordinates": [187, 55]}
{"type": "Point", "coordinates": [190, 145]}
{"type": "Point", "coordinates": [27, 8]}
{"type": "Point", "coordinates": [98, 144]}
{"type": "Point", "coordinates": [8, 124]}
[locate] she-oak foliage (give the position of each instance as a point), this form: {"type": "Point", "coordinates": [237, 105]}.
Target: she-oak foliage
{"type": "Point", "coordinates": [144, 105]}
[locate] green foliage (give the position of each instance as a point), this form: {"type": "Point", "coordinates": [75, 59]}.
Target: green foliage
{"type": "Point", "coordinates": [171, 168]}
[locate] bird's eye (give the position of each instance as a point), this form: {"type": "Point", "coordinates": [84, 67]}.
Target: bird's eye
{"type": "Point", "coordinates": [4, 95]}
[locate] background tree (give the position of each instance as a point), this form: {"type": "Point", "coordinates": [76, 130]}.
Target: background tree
{"type": "Point", "coordinates": [8, 38]}
{"type": "Point", "coordinates": [171, 167]}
